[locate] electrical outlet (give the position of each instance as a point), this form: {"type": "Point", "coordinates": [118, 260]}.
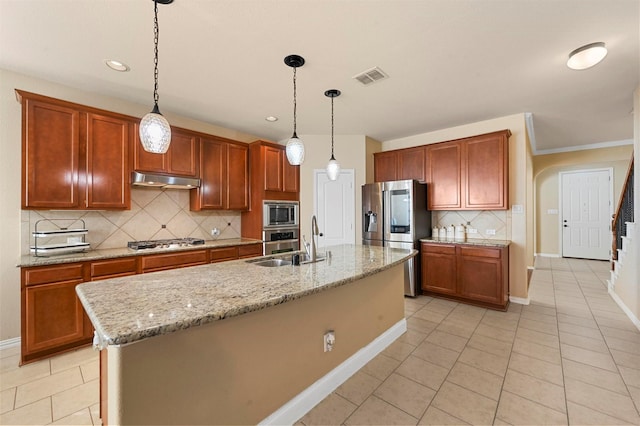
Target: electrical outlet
{"type": "Point", "coordinates": [215, 232]}
{"type": "Point", "coordinates": [491, 232]}
{"type": "Point", "coordinates": [329, 340]}
{"type": "Point", "coordinates": [472, 231]}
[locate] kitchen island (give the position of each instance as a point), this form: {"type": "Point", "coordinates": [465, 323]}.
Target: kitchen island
{"type": "Point", "coordinates": [238, 343]}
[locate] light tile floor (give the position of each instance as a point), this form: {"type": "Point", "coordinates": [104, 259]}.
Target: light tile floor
{"type": "Point", "coordinates": [570, 357]}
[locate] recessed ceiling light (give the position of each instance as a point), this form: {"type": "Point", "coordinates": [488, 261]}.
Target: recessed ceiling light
{"type": "Point", "coordinates": [271, 118]}
{"type": "Point", "coordinates": [587, 56]}
{"type": "Point", "coordinates": [117, 65]}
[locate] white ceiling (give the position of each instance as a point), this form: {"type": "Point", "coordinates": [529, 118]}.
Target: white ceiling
{"type": "Point", "coordinates": [450, 62]}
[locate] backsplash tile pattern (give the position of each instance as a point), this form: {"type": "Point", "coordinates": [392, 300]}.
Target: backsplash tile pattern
{"type": "Point", "coordinates": [500, 220]}
{"type": "Point", "coordinates": [151, 208]}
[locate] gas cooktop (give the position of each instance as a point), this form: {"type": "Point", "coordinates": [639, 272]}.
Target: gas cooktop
{"type": "Point", "coordinates": [176, 242]}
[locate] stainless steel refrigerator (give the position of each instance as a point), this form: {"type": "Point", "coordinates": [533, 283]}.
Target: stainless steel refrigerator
{"type": "Point", "coordinates": [394, 214]}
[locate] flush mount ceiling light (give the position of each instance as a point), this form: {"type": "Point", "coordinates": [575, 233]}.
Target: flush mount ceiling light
{"type": "Point", "coordinates": [271, 118]}
{"type": "Point", "coordinates": [155, 133]}
{"type": "Point", "coordinates": [587, 56]}
{"type": "Point", "coordinates": [295, 147]}
{"type": "Point", "coordinates": [117, 65]}
{"type": "Point", "coordinates": [333, 168]}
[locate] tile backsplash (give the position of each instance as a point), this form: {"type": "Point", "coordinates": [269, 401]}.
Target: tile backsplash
{"type": "Point", "coordinates": [498, 220]}
{"type": "Point", "coordinates": [151, 209]}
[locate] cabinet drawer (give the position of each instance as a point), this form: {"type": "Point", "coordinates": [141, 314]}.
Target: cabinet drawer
{"type": "Point", "coordinates": [104, 269]}
{"type": "Point", "coordinates": [50, 274]}
{"type": "Point", "coordinates": [480, 252]}
{"type": "Point", "coordinates": [159, 262]}
{"type": "Point", "coordinates": [222, 254]}
{"type": "Point", "coordinates": [438, 248]}
{"type": "Point", "coordinates": [250, 250]}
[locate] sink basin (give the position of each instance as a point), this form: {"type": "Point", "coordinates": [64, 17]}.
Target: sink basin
{"type": "Point", "coordinates": [273, 262]}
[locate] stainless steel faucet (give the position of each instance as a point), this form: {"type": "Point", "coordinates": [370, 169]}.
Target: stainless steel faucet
{"type": "Point", "coordinates": [315, 232]}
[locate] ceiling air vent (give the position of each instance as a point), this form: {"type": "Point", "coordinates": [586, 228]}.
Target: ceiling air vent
{"type": "Point", "coordinates": [371, 76]}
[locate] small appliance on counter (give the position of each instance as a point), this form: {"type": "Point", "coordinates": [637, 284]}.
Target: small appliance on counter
{"type": "Point", "coordinates": [59, 236]}
{"type": "Point", "coordinates": [395, 215]}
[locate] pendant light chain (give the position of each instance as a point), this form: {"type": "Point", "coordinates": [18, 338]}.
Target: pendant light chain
{"type": "Point", "coordinates": [156, 35]}
{"type": "Point", "coordinates": [295, 104]}
{"type": "Point", "coordinates": [332, 157]}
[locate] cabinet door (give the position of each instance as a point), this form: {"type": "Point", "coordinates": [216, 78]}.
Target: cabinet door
{"type": "Point", "coordinates": [144, 161]}
{"type": "Point", "coordinates": [486, 177]}
{"type": "Point", "coordinates": [480, 274]}
{"type": "Point", "coordinates": [50, 156]}
{"type": "Point", "coordinates": [53, 317]}
{"type": "Point", "coordinates": [108, 169]}
{"type": "Point", "coordinates": [439, 269]}
{"type": "Point", "coordinates": [223, 254]}
{"type": "Point", "coordinates": [237, 179]}
{"type": "Point", "coordinates": [291, 176]}
{"type": "Point", "coordinates": [444, 176]}
{"type": "Point", "coordinates": [111, 268]}
{"type": "Point", "coordinates": [250, 250]}
{"type": "Point", "coordinates": [212, 191]}
{"type": "Point", "coordinates": [160, 262]}
{"type": "Point", "coordinates": [412, 164]}
{"type": "Point", "coordinates": [183, 154]}
{"type": "Point", "coordinates": [273, 173]}
{"type": "Point", "coordinates": [385, 166]}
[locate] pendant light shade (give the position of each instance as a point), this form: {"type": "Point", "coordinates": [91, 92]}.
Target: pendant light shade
{"type": "Point", "coordinates": [333, 168]}
{"type": "Point", "coordinates": [155, 132]}
{"type": "Point", "coordinates": [295, 147]}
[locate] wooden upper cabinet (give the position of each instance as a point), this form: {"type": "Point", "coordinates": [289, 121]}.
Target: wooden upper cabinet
{"type": "Point", "coordinates": [224, 176]}
{"type": "Point", "coordinates": [273, 169]}
{"type": "Point", "coordinates": [73, 157]}
{"type": "Point", "coordinates": [486, 185]}
{"type": "Point", "coordinates": [290, 176]}
{"type": "Point", "coordinates": [385, 166]}
{"type": "Point", "coordinates": [50, 155]}
{"type": "Point", "coordinates": [444, 176]}
{"type": "Point", "coordinates": [108, 167]}
{"type": "Point", "coordinates": [180, 159]}
{"type": "Point", "coordinates": [400, 164]}
{"type": "Point", "coordinates": [237, 177]}
{"type": "Point", "coordinates": [412, 163]}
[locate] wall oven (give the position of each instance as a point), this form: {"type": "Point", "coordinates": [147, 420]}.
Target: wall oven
{"type": "Point", "coordinates": [280, 240]}
{"type": "Point", "coordinates": [280, 214]}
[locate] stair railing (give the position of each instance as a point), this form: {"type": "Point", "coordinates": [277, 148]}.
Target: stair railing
{"type": "Point", "coordinates": [622, 215]}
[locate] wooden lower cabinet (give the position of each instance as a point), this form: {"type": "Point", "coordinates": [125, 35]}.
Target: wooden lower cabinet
{"type": "Point", "coordinates": [161, 262]}
{"type": "Point", "coordinates": [249, 250]}
{"type": "Point", "coordinates": [473, 274]}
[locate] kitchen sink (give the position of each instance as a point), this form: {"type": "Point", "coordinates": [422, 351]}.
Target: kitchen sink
{"type": "Point", "coordinates": [273, 262]}
{"type": "Point", "coordinates": [283, 261]}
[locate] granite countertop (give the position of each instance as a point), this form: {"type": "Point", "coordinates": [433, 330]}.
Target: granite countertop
{"type": "Point", "coordinates": [468, 241]}
{"type": "Point", "coordinates": [31, 260]}
{"type": "Point", "coordinates": [129, 309]}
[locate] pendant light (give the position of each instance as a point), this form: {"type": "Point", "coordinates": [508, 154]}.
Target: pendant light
{"type": "Point", "coordinates": [333, 168]}
{"type": "Point", "coordinates": [155, 133]}
{"type": "Point", "coordinates": [295, 147]}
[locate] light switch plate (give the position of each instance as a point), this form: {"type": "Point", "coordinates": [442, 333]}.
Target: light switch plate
{"type": "Point", "coordinates": [491, 232]}
{"type": "Point", "coordinates": [517, 208]}
{"type": "Point", "coordinates": [552, 211]}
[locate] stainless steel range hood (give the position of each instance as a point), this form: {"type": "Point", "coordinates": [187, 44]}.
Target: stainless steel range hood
{"type": "Point", "coordinates": [164, 182]}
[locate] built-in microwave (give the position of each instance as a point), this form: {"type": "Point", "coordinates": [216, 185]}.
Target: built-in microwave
{"type": "Point", "coordinates": [280, 213]}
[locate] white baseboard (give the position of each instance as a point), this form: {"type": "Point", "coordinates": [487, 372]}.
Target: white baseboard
{"type": "Point", "coordinates": [302, 403]}
{"type": "Point", "coordinates": [626, 310]}
{"type": "Point", "coordinates": [547, 255]}
{"type": "Point", "coordinates": [9, 343]}
{"type": "Point", "coordinates": [520, 300]}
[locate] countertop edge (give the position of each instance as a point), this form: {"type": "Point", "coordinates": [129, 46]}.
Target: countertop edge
{"type": "Point", "coordinates": [469, 242]}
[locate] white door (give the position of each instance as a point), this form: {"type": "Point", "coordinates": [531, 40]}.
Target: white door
{"type": "Point", "coordinates": [586, 213]}
{"type": "Point", "coordinates": [334, 207]}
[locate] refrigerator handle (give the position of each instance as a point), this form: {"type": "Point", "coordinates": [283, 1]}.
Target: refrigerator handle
{"type": "Point", "coordinates": [386, 208]}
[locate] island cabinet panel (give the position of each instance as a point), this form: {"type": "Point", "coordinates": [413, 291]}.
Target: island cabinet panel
{"type": "Point", "coordinates": [108, 166]}
{"type": "Point", "coordinates": [161, 262]}
{"type": "Point", "coordinates": [73, 157]}
{"type": "Point", "coordinates": [249, 250]}
{"type": "Point", "coordinates": [112, 268]}
{"type": "Point", "coordinates": [224, 176]}
{"type": "Point", "coordinates": [444, 180]}
{"type": "Point", "coordinates": [53, 320]}
{"type": "Point", "coordinates": [223, 254]}
{"type": "Point", "coordinates": [181, 158]}
{"type": "Point", "coordinates": [477, 275]}
{"type": "Point", "coordinates": [50, 155]}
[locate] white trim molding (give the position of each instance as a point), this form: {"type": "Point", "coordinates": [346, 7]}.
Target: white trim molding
{"type": "Point", "coordinates": [302, 403]}
{"type": "Point", "coordinates": [547, 255]}
{"type": "Point", "coordinates": [624, 307]}
{"type": "Point", "coordinates": [9, 343]}
{"type": "Point", "coordinates": [519, 300]}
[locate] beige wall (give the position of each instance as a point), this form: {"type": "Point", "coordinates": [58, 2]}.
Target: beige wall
{"type": "Point", "coordinates": [520, 186]}
{"type": "Point", "coordinates": [372, 146]}
{"type": "Point", "coordinates": [350, 151]}
{"type": "Point", "coordinates": [244, 368]}
{"type": "Point", "coordinates": [10, 173]}
{"type": "Point", "coordinates": [546, 169]}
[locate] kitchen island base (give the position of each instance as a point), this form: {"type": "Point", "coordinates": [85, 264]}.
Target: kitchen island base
{"type": "Point", "coordinates": [243, 369]}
